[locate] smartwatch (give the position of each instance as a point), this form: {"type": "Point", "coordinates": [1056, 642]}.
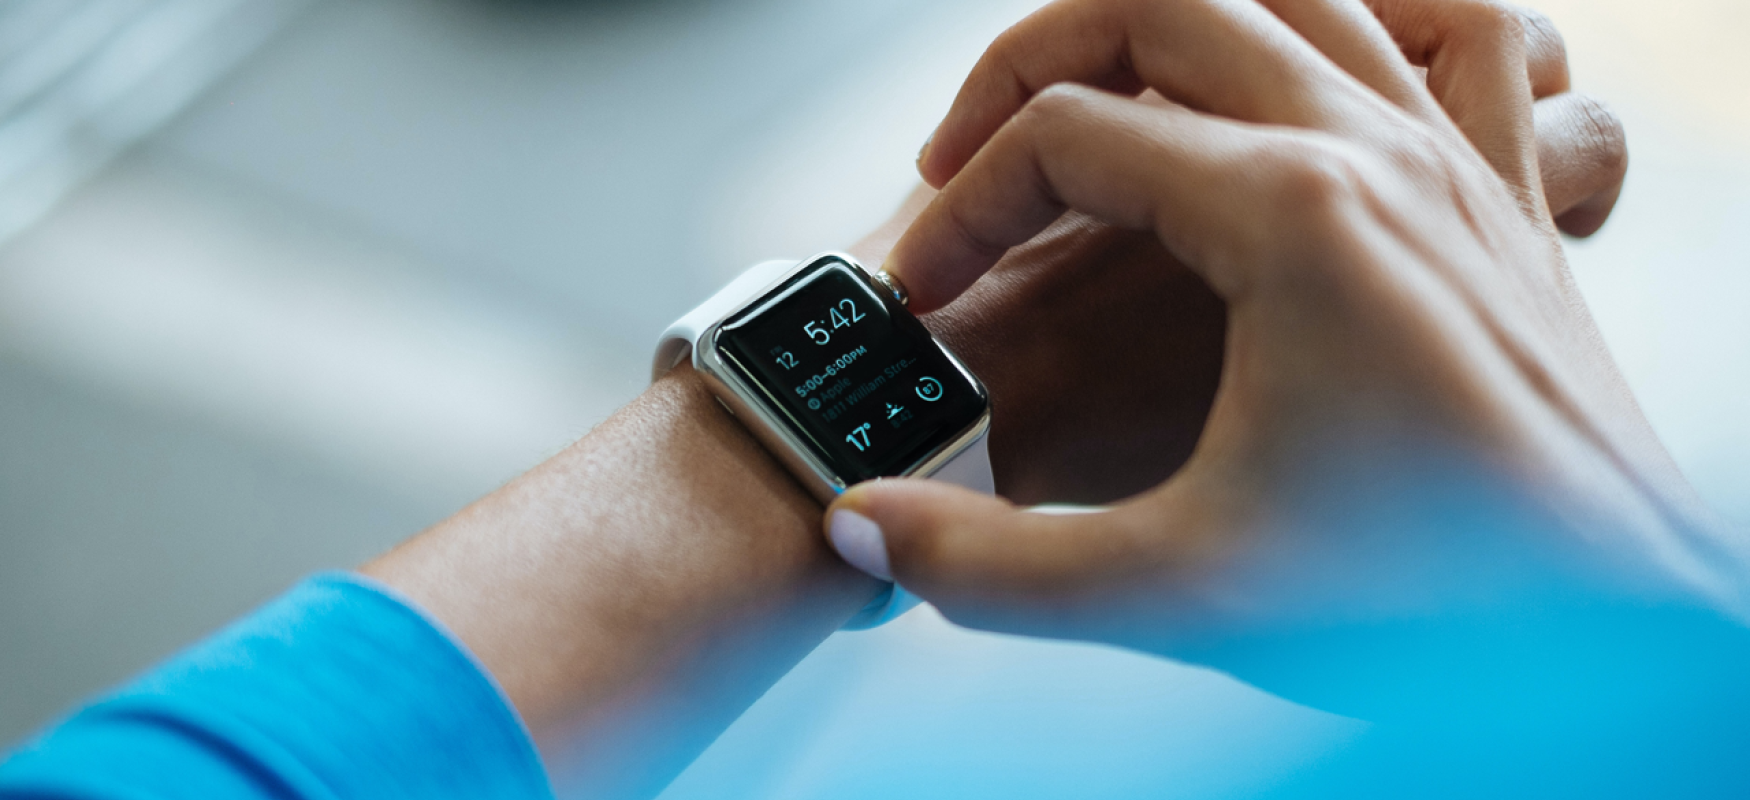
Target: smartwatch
{"type": "Point", "coordinates": [820, 360]}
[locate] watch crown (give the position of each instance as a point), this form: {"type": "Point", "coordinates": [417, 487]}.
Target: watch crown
{"type": "Point", "coordinates": [893, 285]}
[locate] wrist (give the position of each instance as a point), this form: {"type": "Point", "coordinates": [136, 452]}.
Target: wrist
{"type": "Point", "coordinates": [663, 568]}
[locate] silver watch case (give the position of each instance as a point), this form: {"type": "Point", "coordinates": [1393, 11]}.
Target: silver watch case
{"type": "Point", "coordinates": [695, 335]}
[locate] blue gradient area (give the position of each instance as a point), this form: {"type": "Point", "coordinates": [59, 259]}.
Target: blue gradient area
{"type": "Point", "coordinates": [922, 709]}
{"type": "Point", "coordinates": [1582, 700]}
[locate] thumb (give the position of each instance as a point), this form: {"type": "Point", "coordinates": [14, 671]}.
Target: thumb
{"type": "Point", "coordinates": [980, 560]}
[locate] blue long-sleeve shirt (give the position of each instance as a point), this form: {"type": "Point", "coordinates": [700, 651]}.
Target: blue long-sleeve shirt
{"type": "Point", "coordinates": [336, 689]}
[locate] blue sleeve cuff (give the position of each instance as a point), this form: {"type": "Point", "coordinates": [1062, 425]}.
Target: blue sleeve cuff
{"type": "Point", "coordinates": [337, 689]}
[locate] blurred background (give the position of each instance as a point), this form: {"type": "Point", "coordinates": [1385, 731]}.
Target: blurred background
{"type": "Point", "coordinates": [284, 281]}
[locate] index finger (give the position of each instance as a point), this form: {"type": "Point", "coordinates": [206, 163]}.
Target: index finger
{"type": "Point", "coordinates": [1196, 181]}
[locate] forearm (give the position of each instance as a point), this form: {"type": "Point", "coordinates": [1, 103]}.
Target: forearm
{"type": "Point", "coordinates": [636, 592]}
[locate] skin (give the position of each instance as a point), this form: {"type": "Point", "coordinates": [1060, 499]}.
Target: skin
{"type": "Point", "coordinates": [639, 590]}
{"type": "Point", "coordinates": [1417, 436]}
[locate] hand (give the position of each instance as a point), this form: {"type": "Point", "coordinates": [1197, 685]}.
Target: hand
{"type": "Point", "coordinates": [1416, 419]}
{"type": "Point", "coordinates": [1059, 327]}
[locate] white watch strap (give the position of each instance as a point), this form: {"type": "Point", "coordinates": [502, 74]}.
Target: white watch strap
{"type": "Point", "coordinates": [677, 342]}
{"type": "Point", "coordinates": [970, 469]}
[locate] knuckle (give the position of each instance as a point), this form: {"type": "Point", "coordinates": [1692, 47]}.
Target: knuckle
{"type": "Point", "coordinates": [1602, 137]}
{"type": "Point", "coordinates": [1493, 21]}
{"type": "Point", "coordinates": [1316, 178]}
{"type": "Point", "coordinates": [1321, 191]}
{"type": "Point", "coordinates": [1541, 36]}
{"type": "Point", "coordinates": [1057, 101]}
{"type": "Point", "coordinates": [1008, 45]}
{"type": "Point", "coordinates": [1414, 151]}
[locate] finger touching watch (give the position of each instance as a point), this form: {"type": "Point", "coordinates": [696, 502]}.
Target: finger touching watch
{"type": "Point", "coordinates": [821, 361]}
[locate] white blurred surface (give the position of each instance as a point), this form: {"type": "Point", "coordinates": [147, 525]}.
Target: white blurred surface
{"type": "Point", "coordinates": [414, 246]}
{"type": "Point", "coordinates": [304, 337]}
{"type": "Point", "coordinates": [1669, 278]}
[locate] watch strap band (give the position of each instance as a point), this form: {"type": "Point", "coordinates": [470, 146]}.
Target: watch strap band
{"type": "Point", "coordinates": [676, 344]}
{"type": "Point", "coordinates": [970, 469]}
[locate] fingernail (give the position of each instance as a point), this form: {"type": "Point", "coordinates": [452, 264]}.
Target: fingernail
{"type": "Point", "coordinates": [925, 150]}
{"type": "Point", "coordinates": [858, 540]}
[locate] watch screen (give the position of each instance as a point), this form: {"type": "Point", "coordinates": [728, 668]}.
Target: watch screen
{"type": "Point", "coordinates": [860, 382]}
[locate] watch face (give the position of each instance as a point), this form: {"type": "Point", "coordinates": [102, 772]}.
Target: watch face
{"type": "Point", "coordinates": [851, 372]}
